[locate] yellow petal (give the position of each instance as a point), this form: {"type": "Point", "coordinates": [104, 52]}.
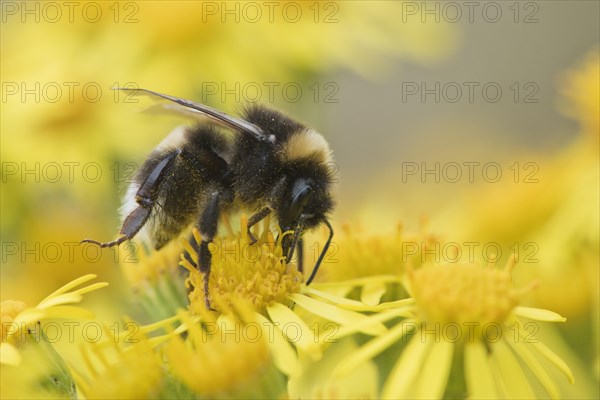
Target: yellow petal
{"type": "Point", "coordinates": [228, 326]}
{"type": "Point", "coordinates": [372, 348]}
{"type": "Point", "coordinates": [64, 298]}
{"type": "Point", "coordinates": [478, 374]}
{"type": "Point", "coordinates": [333, 298]}
{"type": "Point", "coordinates": [90, 288]}
{"type": "Point", "coordinates": [371, 293]}
{"type": "Point", "coordinates": [545, 351]}
{"type": "Point", "coordinates": [510, 372]}
{"type": "Point", "coordinates": [315, 382]}
{"type": "Point", "coordinates": [538, 314]}
{"type": "Point", "coordinates": [29, 316]}
{"type": "Point", "coordinates": [358, 281]}
{"type": "Point", "coordinates": [80, 381]}
{"type": "Point", "coordinates": [158, 340]}
{"type": "Point", "coordinates": [406, 369]}
{"type": "Point", "coordinates": [371, 319]}
{"type": "Point", "coordinates": [357, 305]}
{"type": "Point", "coordinates": [436, 370]}
{"type": "Point", "coordinates": [336, 314]}
{"type": "Point", "coordinates": [554, 359]}
{"type": "Point", "coordinates": [68, 312]}
{"type": "Point", "coordinates": [9, 355]}
{"type": "Point", "coordinates": [71, 285]}
{"type": "Point", "coordinates": [166, 324]}
{"type": "Point", "coordinates": [294, 329]}
{"type": "Point", "coordinates": [284, 356]}
{"type": "Point", "coordinates": [404, 303]}
{"type": "Point", "coordinates": [536, 367]}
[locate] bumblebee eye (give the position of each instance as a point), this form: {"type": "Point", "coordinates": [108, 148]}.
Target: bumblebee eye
{"type": "Point", "coordinates": [301, 198]}
{"type": "Point", "coordinates": [302, 192]}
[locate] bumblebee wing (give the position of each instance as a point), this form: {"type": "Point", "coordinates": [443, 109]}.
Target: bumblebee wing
{"type": "Point", "coordinates": [177, 110]}
{"type": "Point", "coordinates": [197, 110]}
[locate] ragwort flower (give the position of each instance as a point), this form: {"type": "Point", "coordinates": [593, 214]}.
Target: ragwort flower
{"type": "Point", "coordinates": [228, 358]}
{"type": "Point", "coordinates": [156, 279]}
{"type": "Point", "coordinates": [115, 370]}
{"type": "Point", "coordinates": [355, 274]}
{"type": "Point", "coordinates": [31, 367]}
{"type": "Point", "coordinates": [18, 318]}
{"type": "Point", "coordinates": [258, 276]}
{"type": "Point", "coordinates": [466, 317]}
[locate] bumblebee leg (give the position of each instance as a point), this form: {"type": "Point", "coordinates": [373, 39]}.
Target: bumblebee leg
{"type": "Point", "coordinates": [256, 218]}
{"type": "Point", "coordinates": [300, 255]}
{"type": "Point", "coordinates": [133, 223]}
{"type": "Point", "coordinates": [289, 246]}
{"type": "Point", "coordinates": [207, 226]}
{"type": "Point", "coordinates": [146, 198]}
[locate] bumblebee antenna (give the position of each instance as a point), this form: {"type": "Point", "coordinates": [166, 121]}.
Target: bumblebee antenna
{"type": "Point", "coordinates": [322, 255]}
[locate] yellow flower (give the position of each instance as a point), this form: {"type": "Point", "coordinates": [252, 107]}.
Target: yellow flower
{"type": "Point", "coordinates": [581, 95]}
{"type": "Point", "coordinates": [19, 318]}
{"type": "Point", "coordinates": [463, 293]}
{"type": "Point", "coordinates": [258, 339]}
{"type": "Point", "coordinates": [315, 380]}
{"type": "Point", "coordinates": [255, 273]}
{"type": "Point", "coordinates": [156, 279]}
{"type": "Point", "coordinates": [42, 373]}
{"type": "Point", "coordinates": [559, 237]}
{"type": "Point", "coordinates": [462, 312]}
{"type": "Point", "coordinates": [228, 358]}
{"type": "Point", "coordinates": [31, 367]}
{"type": "Point", "coordinates": [62, 111]}
{"type": "Point", "coordinates": [350, 265]}
{"type": "Point", "coordinates": [257, 276]}
{"type": "Point", "coordinates": [119, 371]}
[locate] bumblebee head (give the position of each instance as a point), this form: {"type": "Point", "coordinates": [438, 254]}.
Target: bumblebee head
{"type": "Point", "coordinates": [303, 207]}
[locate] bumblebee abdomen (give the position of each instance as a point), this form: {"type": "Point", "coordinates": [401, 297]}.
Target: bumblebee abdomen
{"type": "Point", "coordinates": [197, 171]}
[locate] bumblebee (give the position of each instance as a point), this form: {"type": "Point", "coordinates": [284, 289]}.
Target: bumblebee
{"type": "Point", "coordinates": [270, 164]}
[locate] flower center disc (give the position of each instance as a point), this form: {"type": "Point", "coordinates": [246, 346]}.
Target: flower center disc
{"type": "Point", "coordinates": [254, 273]}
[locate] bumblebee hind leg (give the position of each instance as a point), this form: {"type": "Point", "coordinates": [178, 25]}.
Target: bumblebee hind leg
{"type": "Point", "coordinates": [133, 223]}
{"type": "Point", "coordinates": [145, 197]}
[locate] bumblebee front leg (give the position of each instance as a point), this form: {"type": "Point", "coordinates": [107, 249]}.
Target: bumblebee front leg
{"type": "Point", "coordinates": [207, 226]}
{"type": "Point", "coordinates": [256, 218]}
{"type": "Point", "coordinates": [145, 197]}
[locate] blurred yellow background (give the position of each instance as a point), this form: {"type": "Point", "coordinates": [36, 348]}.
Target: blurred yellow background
{"type": "Point", "coordinates": [397, 88]}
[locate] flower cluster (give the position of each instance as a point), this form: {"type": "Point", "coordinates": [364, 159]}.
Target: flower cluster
{"type": "Point", "coordinates": [458, 330]}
